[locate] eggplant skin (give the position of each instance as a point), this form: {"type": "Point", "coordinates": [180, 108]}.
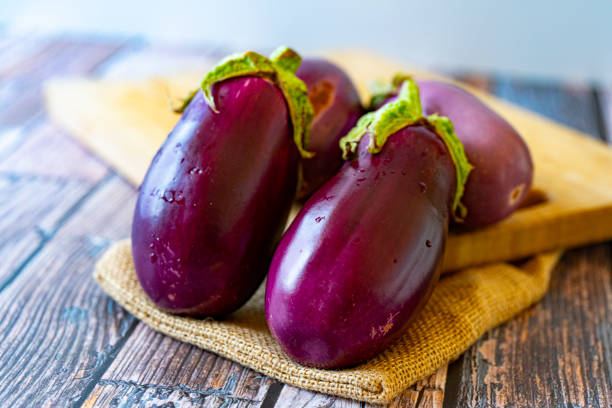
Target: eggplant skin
{"type": "Point", "coordinates": [503, 168]}
{"type": "Point", "coordinates": [363, 253]}
{"type": "Point", "coordinates": [215, 200]}
{"type": "Point", "coordinates": [337, 107]}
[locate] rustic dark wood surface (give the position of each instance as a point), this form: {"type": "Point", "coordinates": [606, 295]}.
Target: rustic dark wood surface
{"type": "Point", "coordinates": [64, 343]}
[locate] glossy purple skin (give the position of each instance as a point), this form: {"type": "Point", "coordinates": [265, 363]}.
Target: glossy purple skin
{"type": "Point", "coordinates": [363, 254]}
{"type": "Point", "coordinates": [337, 108]}
{"type": "Point", "coordinates": [503, 169]}
{"type": "Point", "coordinates": [215, 200]}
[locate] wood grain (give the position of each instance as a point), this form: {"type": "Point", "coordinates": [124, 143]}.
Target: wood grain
{"type": "Point", "coordinates": [52, 342]}
{"type": "Point", "coordinates": [55, 344]}
{"type": "Point", "coordinates": [39, 189]}
{"type": "Point", "coordinates": [427, 393]}
{"type": "Point", "coordinates": [292, 397]}
{"type": "Point", "coordinates": [153, 368]}
{"type": "Point", "coordinates": [23, 76]}
{"type": "Point", "coordinates": [48, 153]}
{"type": "Point", "coordinates": [555, 354]}
{"type": "Point", "coordinates": [37, 185]}
{"type": "Point", "coordinates": [57, 328]}
{"type": "Point", "coordinates": [16, 49]}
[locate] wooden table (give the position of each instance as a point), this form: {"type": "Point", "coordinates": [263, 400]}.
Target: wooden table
{"type": "Point", "coordinates": [64, 343]}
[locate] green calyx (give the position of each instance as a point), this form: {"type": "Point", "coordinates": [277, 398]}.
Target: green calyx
{"type": "Point", "coordinates": [183, 102]}
{"type": "Point", "coordinates": [381, 91]}
{"type": "Point", "coordinates": [280, 68]}
{"type": "Point", "coordinates": [402, 112]}
{"type": "Point", "coordinates": [444, 128]}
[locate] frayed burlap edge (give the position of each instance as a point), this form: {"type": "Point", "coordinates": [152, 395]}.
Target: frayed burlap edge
{"type": "Point", "coordinates": [463, 306]}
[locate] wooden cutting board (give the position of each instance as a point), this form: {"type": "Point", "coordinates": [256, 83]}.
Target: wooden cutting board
{"type": "Point", "coordinates": [125, 122]}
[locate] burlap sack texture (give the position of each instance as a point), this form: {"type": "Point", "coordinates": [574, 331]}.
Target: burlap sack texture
{"type": "Point", "coordinates": [463, 306]}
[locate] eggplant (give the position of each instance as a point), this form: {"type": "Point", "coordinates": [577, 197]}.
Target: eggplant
{"type": "Point", "coordinates": [337, 107]}
{"type": "Point", "coordinates": [364, 252]}
{"type": "Point", "coordinates": [217, 195]}
{"type": "Point", "coordinates": [503, 167]}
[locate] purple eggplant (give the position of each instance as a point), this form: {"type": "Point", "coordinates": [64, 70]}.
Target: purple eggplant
{"type": "Point", "coordinates": [337, 107]}
{"type": "Point", "coordinates": [217, 195]}
{"type": "Point", "coordinates": [503, 168]}
{"type": "Point", "coordinates": [365, 251]}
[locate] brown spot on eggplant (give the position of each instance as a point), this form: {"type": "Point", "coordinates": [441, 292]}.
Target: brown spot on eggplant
{"type": "Point", "coordinates": [534, 197]}
{"type": "Point", "coordinates": [517, 194]}
{"type": "Point", "coordinates": [321, 95]}
{"type": "Point", "coordinates": [337, 107]}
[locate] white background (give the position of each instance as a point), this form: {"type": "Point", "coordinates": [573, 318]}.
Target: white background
{"type": "Point", "coordinates": [561, 39]}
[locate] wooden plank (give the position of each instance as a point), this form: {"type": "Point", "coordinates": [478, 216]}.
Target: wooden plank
{"type": "Point", "coordinates": [59, 331]}
{"type": "Point", "coordinates": [38, 189]}
{"type": "Point", "coordinates": [53, 341]}
{"type": "Point", "coordinates": [38, 186]}
{"type": "Point", "coordinates": [18, 49]}
{"type": "Point", "coordinates": [48, 153]}
{"type": "Point", "coordinates": [155, 369]}
{"type": "Point", "coordinates": [427, 393]}
{"type": "Point", "coordinates": [32, 210]}
{"type": "Point", "coordinates": [12, 136]}
{"type": "Point", "coordinates": [14, 51]}
{"type": "Point", "coordinates": [293, 397]}
{"type": "Point", "coordinates": [106, 215]}
{"type": "Point", "coordinates": [22, 79]}
{"type": "Point", "coordinates": [57, 328]}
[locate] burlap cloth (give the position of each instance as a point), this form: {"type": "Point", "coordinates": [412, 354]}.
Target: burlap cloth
{"type": "Point", "coordinates": [463, 306]}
